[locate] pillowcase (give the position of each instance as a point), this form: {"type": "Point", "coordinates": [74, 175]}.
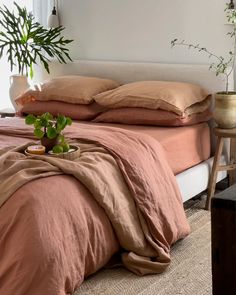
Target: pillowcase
{"type": "Point", "coordinates": [141, 116]}
{"type": "Point", "coordinates": [70, 89]}
{"type": "Point", "coordinates": [198, 107]}
{"type": "Point", "coordinates": [74, 111]}
{"type": "Point", "coordinates": [169, 96]}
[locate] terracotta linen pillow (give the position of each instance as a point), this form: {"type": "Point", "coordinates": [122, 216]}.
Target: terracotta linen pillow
{"type": "Point", "coordinates": [141, 116]}
{"type": "Point", "coordinates": [74, 111]}
{"type": "Point", "coordinates": [169, 96]}
{"type": "Point", "coordinates": [71, 89]}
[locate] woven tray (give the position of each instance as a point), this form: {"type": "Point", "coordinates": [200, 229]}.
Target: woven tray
{"type": "Point", "coordinates": [72, 154]}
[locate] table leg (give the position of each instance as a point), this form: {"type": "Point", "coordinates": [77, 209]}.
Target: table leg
{"type": "Point", "coordinates": [214, 171]}
{"type": "Point", "coordinates": [232, 160]}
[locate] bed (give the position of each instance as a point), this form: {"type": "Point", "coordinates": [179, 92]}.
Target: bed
{"type": "Point", "coordinates": [68, 218]}
{"type": "Point", "coordinates": [126, 72]}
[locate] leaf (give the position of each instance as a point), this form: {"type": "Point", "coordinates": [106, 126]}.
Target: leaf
{"type": "Point", "coordinates": [30, 119]}
{"type": "Point", "coordinates": [68, 121]}
{"type": "Point", "coordinates": [61, 122]}
{"type": "Point", "coordinates": [44, 122]}
{"type": "Point", "coordinates": [61, 139]}
{"type": "Point", "coordinates": [47, 116]}
{"type": "Point", "coordinates": [51, 132]}
{"type": "Point", "coordinates": [38, 133]}
{"type": "Point", "coordinates": [31, 71]}
{"type": "Point", "coordinates": [37, 124]}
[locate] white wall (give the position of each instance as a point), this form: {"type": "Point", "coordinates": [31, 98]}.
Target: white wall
{"type": "Point", "coordinates": [141, 30]}
{"type": "Point", "coordinates": [135, 30]}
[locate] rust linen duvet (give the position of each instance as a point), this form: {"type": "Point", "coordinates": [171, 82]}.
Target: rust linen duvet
{"type": "Point", "coordinates": [62, 220]}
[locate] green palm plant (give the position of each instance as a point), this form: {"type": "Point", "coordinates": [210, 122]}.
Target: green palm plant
{"type": "Point", "coordinates": [25, 42]}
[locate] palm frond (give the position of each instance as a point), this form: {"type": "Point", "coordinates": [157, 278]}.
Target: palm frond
{"type": "Point", "coordinates": [25, 42]}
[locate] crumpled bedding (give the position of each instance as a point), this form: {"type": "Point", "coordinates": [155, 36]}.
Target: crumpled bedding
{"type": "Point", "coordinates": [70, 217]}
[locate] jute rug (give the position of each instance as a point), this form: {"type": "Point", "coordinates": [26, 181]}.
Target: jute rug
{"type": "Point", "coordinates": [188, 274]}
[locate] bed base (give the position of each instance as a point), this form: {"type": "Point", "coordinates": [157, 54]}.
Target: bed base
{"type": "Point", "coordinates": [194, 181]}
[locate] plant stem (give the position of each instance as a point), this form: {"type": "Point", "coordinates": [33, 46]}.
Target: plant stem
{"type": "Point", "coordinates": [233, 62]}
{"type": "Point", "coordinates": [200, 49]}
{"type": "Point", "coordinates": [219, 58]}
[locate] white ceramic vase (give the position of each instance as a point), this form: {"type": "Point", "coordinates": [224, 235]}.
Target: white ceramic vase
{"type": "Point", "coordinates": [18, 84]}
{"type": "Point", "coordinates": [225, 110]}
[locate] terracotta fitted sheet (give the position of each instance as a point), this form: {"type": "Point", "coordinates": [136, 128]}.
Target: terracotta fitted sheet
{"type": "Point", "coordinates": [185, 146]}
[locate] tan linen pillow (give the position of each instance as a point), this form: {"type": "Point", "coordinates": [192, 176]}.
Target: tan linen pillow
{"type": "Point", "coordinates": [198, 107]}
{"type": "Point", "coordinates": [169, 96]}
{"type": "Point", "coordinates": [71, 89]}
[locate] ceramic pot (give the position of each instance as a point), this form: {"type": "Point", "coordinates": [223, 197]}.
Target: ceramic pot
{"type": "Point", "coordinates": [225, 110]}
{"type": "Point", "coordinates": [49, 143]}
{"type": "Point", "coordinates": [18, 84]}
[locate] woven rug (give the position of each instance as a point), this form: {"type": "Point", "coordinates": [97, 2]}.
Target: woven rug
{"type": "Point", "coordinates": [188, 274]}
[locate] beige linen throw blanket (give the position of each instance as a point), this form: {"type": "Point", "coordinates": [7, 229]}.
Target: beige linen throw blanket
{"type": "Point", "coordinates": [128, 176]}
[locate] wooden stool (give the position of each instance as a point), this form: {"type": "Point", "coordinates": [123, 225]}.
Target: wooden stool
{"type": "Point", "coordinates": [221, 134]}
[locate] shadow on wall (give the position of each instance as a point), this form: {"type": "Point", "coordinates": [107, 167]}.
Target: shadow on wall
{"type": "Point", "coordinates": [5, 84]}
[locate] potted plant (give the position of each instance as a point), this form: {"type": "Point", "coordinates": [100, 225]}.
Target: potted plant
{"type": "Point", "coordinates": [25, 43]}
{"type": "Point", "coordinates": [225, 101]}
{"type": "Point", "coordinates": [48, 129]}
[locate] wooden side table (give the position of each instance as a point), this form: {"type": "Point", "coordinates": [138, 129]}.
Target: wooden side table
{"type": "Point", "coordinates": [230, 167]}
{"type": "Point", "coordinates": [7, 113]}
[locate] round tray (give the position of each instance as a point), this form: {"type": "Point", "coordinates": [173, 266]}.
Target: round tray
{"type": "Point", "coordinates": [72, 154]}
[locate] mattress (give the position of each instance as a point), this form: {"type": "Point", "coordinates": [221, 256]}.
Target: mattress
{"type": "Point", "coordinates": [185, 147]}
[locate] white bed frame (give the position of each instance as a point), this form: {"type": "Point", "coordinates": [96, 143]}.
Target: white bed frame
{"type": "Point", "coordinates": [194, 180]}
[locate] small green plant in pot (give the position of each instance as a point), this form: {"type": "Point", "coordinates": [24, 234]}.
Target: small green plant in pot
{"type": "Point", "coordinates": [225, 100]}
{"type": "Point", "coordinates": [49, 130]}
